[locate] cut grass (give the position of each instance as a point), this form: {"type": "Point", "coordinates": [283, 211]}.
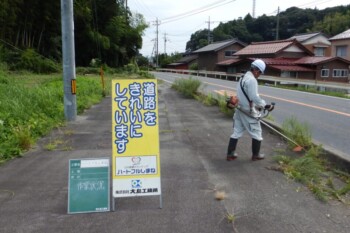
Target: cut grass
{"type": "Point", "coordinates": [316, 174]}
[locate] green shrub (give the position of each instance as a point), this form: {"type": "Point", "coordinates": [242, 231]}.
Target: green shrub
{"type": "Point", "coordinates": [193, 66]}
{"type": "Point", "coordinates": [32, 61]}
{"type": "Point", "coordinates": [131, 68]}
{"type": "Point", "coordinates": [187, 87]}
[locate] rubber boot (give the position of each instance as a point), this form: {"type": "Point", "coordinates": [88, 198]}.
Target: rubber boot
{"type": "Point", "coordinates": [256, 149]}
{"type": "Point", "coordinates": [231, 155]}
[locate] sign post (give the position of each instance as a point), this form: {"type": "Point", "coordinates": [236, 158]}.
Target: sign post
{"type": "Point", "coordinates": [89, 185]}
{"type": "Point", "coordinates": [135, 138]}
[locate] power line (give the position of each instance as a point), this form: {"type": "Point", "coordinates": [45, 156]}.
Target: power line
{"type": "Point", "coordinates": [142, 5]}
{"type": "Point", "coordinates": [194, 12]}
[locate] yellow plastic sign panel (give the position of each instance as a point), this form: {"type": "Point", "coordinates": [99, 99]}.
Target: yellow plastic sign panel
{"type": "Point", "coordinates": [135, 138]}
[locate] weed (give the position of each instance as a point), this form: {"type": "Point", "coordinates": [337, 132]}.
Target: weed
{"type": "Point", "coordinates": [313, 171]}
{"type": "Point", "coordinates": [67, 148]}
{"type": "Point", "coordinates": [230, 217]}
{"type": "Point", "coordinates": [187, 87]}
{"type": "Point", "coordinates": [53, 145]}
{"type": "Point", "coordinates": [299, 132]}
{"type": "Point", "coordinates": [209, 100]}
{"type": "Point", "coordinates": [50, 146]}
{"type": "Point", "coordinates": [32, 105]}
{"type": "Point", "coordinates": [319, 193]}
{"type": "Point", "coordinates": [23, 137]}
{"type": "Point", "coordinates": [68, 132]}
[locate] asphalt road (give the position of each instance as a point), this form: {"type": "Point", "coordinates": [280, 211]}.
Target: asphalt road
{"type": "Point", "coordinates": [328, 117]}
{"type": "Point", "coordinates": [193, 141]}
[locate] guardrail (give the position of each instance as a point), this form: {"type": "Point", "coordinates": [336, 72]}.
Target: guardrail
{"type": "Point", "coordinates": [269, 80]}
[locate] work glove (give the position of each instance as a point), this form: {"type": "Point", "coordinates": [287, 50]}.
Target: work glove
{"type": "Point", "coordinates": [269, 107]}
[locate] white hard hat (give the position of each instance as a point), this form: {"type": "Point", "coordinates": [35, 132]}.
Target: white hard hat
{"type": "Point", "coordinates": [260, 64]}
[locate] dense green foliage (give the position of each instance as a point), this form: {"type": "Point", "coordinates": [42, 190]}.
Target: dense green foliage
{"type": "Point", "coordinates": [187, 87]}
{"type": "Point", "coordinates": [30, 31]}
{"type": "Point", "coordinates": [31, 105]}
{"type": "Point", "coordinates": [293, 21]}
{"type": "Point", "coordinates": [165, 59]}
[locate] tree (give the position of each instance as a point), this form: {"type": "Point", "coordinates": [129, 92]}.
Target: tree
{"type": "Point", "coordinates": [103, 29]}
{"type": "Point", "coordinates": [198, 40]}
{"type": "Point", "coordinates": [333, 23]}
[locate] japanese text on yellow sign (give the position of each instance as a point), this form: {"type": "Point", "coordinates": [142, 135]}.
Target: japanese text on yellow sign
{"type": "Point", "coordinates": [135, 134]}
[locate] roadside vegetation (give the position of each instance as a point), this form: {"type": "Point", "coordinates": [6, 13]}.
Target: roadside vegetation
{"type": "Point", "coordinates": [310, 167]}
{"type": "Point", "coordinates": [31, 105]}
{"type": "Point", "coordinates": [316, 91]}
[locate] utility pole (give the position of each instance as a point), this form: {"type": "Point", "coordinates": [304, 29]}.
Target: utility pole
{"type": "Point", "coordinates": [126, 10]}
{"type": "Point", "coordinates": [278, 23]}
{"type": "Point", "coordinates": [253, 9]}
{"type": "Point", "coordinates": [165, 40]}
{"type": "Point", "coordinates": [209, 37]}
{"type": "Point", "coordinates": [157, 23]}
{"type": "Point", "coordinates": [68, 60]}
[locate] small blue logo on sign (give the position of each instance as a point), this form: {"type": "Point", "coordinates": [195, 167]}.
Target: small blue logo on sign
{"type": "Point", "coordinates": [136, 183]}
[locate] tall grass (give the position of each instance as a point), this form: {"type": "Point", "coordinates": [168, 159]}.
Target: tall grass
{"type": "Point", "coordinates": [187, 87]}
{"type": "Point", "coordinates": [31, 105]}
{"type": "Point", "coordinates": [299, 132]}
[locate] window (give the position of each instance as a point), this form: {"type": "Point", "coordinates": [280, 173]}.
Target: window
{"type": "Point", "coordinates": [340, 51]}
{"type": "Point", "coordinates": [325, 73]}
{"type": "Point", "coordinates": [231, 70]}
{"type": "Point", "coordinates": [319, 52]}
{"type": "Point", "coordinates": [289, 74]}
{"type": "Point", "coordinates": [229, 53]}
{"type": "Point", "coordinates": [338, 73]}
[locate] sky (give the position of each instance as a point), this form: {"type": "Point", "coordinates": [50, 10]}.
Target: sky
{"type": "Point", "coordinates": [178, 19]}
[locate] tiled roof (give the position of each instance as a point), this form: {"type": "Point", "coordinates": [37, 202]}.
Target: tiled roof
{"type": "Point", "coordinates": [313, 60]}
{"type": "Point", "coordinates": [291, 68]}
{"type": "Point", "coordinates": [305, 36]}
{"type": "Point", "coordinates": [229, 61]}
{"type": "Point", "coordinates": [270, 47]}
{"type": "Point", "coordinates": [318, 60]}
{"type": "Point", "coordinates": [175, 64]}
{"type": "Point", "coordinates": [343, 35]}
{"type": "Point", "coordinates": [218, 45]}
{"type": "Point", "coordinates": [187, 59]}
{"type": "Point", "coordinates": [279, 61]}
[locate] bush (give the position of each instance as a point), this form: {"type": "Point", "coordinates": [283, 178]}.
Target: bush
{"type": "Point", "coordinates": [194, 66]}
{"type": "Point", "coordinates": [131, 68]}
{"type": "Point", "coordinates": [187, 87]}
{"type": "Point", "coordinates": [32, 61]}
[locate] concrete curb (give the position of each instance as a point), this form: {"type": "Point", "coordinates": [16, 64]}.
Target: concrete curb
{"type": "Point", "coordinates": [335, 156]}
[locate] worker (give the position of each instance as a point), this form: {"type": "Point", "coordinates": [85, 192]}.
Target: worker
{"type": "Point", "coordinates": [249, 101]}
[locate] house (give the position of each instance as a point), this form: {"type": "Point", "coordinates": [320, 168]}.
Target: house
{"type": "Point", "coordinates": [210, 55]}
{"type": "Point", "coordinates": [288, 59]}
{"type": "Point", "coordinates": [341, 45]}
{"type": "Point", "coordinates": [273, 49]}
{"type": "Point", "coordinates": [316, 42]}
{"type": "Point", "coordinates": [184, 63]}
{"type": "Point", "coordinates": [276, 54]}
{"type": "Point", "coordinates": [335, 69]}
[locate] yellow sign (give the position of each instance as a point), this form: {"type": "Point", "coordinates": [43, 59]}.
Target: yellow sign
{"type": "Point", "coordinates": [135, 138]}
{"type": "Point", "coordinates": [73, 86]}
